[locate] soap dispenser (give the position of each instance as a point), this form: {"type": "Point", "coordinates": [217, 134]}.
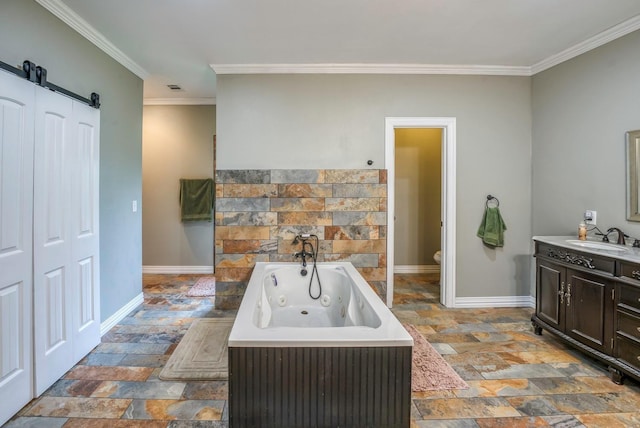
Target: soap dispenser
{"type": "Point", "coordinates": [582, 232]}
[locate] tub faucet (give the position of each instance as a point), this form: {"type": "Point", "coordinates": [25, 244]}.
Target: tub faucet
{"type": "Point", "coordinates": [621, 235]}
{"type": "Point", "coordinates": [304, 254]}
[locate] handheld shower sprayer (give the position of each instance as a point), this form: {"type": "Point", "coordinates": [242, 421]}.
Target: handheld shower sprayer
{"type": "Point", "coordinates": [300, 237]}
{"type": "Point", "coordinates": [312, 254]}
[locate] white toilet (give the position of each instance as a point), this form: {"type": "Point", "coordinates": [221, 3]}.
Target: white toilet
{"type": "Point", "coordinates": [437, 256]}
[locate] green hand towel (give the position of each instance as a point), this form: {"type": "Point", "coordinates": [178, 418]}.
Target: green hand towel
{"type": "Point", "coordinates": [492, 228]}
{"type": "Point", "coordinates": [196, 199]}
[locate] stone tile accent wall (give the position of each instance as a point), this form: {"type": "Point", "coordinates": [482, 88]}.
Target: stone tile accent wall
{"type": "Point", "coordinates": [259, 212]}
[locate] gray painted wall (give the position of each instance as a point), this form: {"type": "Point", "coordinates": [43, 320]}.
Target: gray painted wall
{"type": "Point", "coordinates": [581, 111]}
{"type": "Point", "coordinates": [177, 143]}
{"type": "Point", "coordinates": [337, 121]}
{"type": "Point", "coordinates": [28, 31]}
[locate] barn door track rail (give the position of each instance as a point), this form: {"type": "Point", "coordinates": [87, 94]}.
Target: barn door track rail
{"type": "Point", "coordinates": [38, 75]}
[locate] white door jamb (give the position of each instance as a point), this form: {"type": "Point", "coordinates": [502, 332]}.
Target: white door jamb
{"type": "Point", "coordinates": [448, 264]}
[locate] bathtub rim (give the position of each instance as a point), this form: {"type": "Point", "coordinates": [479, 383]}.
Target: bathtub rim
{"type": "Point", "coordinates": [245, 334]}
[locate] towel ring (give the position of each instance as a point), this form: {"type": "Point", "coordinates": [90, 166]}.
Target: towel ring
{"type": "Point", "coordinates": [491, 198]}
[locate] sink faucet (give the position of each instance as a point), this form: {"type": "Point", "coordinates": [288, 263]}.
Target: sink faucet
{"type": "Point", "coordinates": [621, 235]}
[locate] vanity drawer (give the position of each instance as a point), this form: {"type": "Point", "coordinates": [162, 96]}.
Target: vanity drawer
{"type": "Point", "coordinates": [629, 324]}
{"type": "Point", "coordinates": [587, 261]}
{"type": "Point", "coordinates": [628, 350]}
{"type": "Point", "coordinates": [629, 297]}
{"type": "Point", "coordinates": [630, 270]}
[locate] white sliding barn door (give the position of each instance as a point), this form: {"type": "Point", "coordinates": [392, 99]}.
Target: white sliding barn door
{"type": "Point", "coordinates": [66, 244]}
{"type": "Point", "coordinates": [16, 199]}
{"type": "Point", "coordinates": [85, 245]}
{"type": "Point", "coordinates": [52, 271]}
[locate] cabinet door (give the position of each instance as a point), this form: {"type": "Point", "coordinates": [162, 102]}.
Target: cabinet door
{"type": "Point", "coordinates": [589, 310]}
{"type": "Point", "coordinates": [550, 290]}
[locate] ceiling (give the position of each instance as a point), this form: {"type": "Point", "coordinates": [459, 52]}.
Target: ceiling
{"type": "Point", "coordinates": [177, 41]}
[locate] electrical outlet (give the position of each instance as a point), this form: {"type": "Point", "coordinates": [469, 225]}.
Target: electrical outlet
{"type": "Point", "coordinates": [134, 206]}
{"type": "Point", "coordinates": [590, 217]}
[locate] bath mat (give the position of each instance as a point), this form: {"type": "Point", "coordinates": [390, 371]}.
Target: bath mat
{"type": "Point", "coordinates": [429, 371]}
{"type": "Point", "coordinates": [202, 352]}
{"type": "Point", "coordinates": [204, 286]}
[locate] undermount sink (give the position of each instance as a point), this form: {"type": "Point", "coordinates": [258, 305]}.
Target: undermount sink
{"type": "Point", "coordinates": [598, 245]}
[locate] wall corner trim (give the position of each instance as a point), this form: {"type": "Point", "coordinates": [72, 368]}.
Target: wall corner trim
{"type": "Point", "coordinates": [120, 314]}
{"type": "Point", "coordinates": [73, 20]}
{"type": "Point", "coordinates": [177, 269]}
{"type": "Point", "coordinates": [598, 40]}
{"type": "Point", "coordinates": [496, 302]}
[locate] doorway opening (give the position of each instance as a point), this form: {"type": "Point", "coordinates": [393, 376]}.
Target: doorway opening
{"type": "Point", "coordinates": [447, 238]}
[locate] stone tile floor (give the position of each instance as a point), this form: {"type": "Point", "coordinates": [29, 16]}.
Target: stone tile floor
{"type": "Point", "coordinates": [516, 379]}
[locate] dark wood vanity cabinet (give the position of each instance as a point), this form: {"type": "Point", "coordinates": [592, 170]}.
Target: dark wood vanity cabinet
{"type": "Point", "coordinates": [592, 302]}
{"type": "Point", "coordinates": [576, 303]}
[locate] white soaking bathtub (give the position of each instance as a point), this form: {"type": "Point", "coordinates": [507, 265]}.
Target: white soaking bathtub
{"type": "Point", "coordinates": [277, 310]}
{"type": "Point", "coordinates": [342, 360]}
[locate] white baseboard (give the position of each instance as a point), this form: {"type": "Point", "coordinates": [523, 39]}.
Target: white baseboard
{"type": "Point", "coordinates": [114, 319]}
{"type": "Point", "coordinates": [496, 302]}
{"type": "Point", "coordinates": [416, 269]}
{"type": "Point", "coordinates": [177, 269]}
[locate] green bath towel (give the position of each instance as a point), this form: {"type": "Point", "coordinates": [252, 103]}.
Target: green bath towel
{"type": "Point", "coordinates": [492, 228]}
{"type": "Point", "coordinates": [196, 199]}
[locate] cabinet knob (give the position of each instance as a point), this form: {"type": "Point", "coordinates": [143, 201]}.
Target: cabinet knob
{"type": "Point", "coordinates": [568, 294]}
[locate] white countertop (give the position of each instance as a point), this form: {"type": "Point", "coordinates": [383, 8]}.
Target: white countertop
{"type": "Point", "coordinates": [629, 253]}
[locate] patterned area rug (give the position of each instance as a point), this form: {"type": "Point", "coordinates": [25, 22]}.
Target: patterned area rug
{"type": "Point", "coordinates": [204, 286]}
{"type": "Point", "coordinates": [429, 371]}
{"type": "Point", "coordinates": [202, 352]}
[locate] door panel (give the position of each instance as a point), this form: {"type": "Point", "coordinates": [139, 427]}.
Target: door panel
{"type": "Point", "coordinates": [16, 255]}
{"type": "Point", "coordinates": [85, 244]}
{"type": "Point", "coordinates": [10, 337]}
{"type": "Point", "coordinates": [53, 288]}
{"type": "Point", "coordinates": [586, 320]}
{"type": "Point", "coordinates": [550, 293]}
{"type": "Point", "coordinates": [54, 311]}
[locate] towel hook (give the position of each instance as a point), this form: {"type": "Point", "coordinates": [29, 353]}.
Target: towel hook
{"type": "Point", "coordinates": [492, 198]}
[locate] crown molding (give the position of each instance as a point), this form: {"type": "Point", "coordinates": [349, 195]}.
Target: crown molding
{"type": "Point", "coordinates": [179, 101]}
{"type": "Point", "coordinates": [73, 20]}
{"type": "Point", "coordinates": [486, 70]}
{"type": "Point", "coordinates": [598, 40]}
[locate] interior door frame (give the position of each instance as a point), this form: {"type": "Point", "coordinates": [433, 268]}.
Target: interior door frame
{"type": "Point", "coordinates": [448, 204]}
